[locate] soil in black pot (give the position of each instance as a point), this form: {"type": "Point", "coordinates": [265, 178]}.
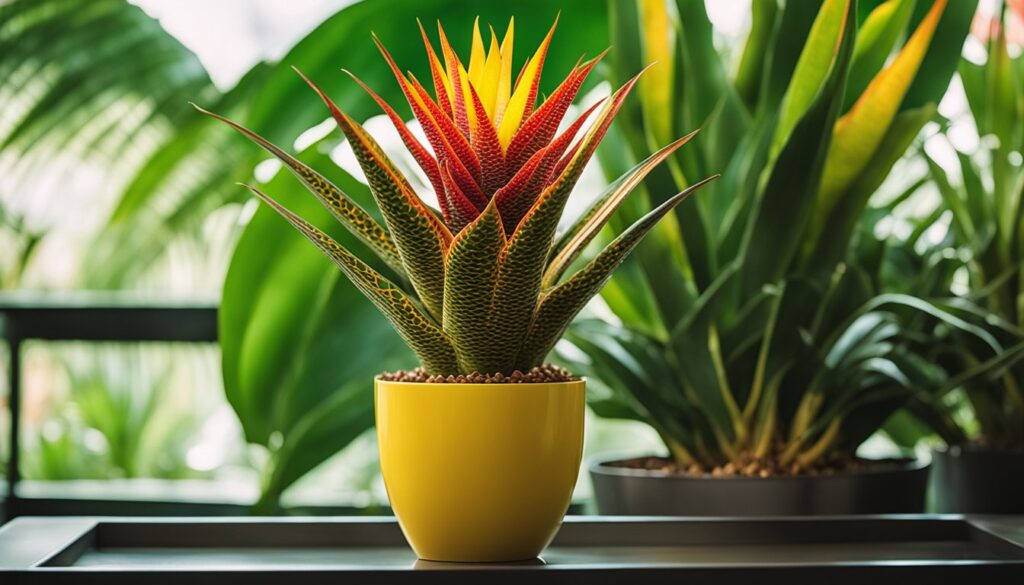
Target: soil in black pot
{"type": "Point", "coordinates": [747, 466]}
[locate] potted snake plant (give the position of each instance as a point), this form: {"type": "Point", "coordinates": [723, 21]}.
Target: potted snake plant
{"type": "Point", "coordinates": [480, 446]}
{"type": "Point", "coordinates": [745, 333]}
{"type": "Point", "coordinates": [981, 468]}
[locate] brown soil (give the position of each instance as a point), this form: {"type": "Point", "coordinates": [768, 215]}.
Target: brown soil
{"type": "Point", "coordinates": [547, 373]}
{"type": "Point", "coordinates": [751, 467]}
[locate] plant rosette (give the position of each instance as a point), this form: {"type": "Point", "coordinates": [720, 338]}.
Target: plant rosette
{"type": "Point", "coordinates": [479, 471]}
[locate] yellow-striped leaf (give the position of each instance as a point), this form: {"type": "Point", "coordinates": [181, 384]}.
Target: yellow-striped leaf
{"type": "Point", "coordinates": [813, 66]}
{"type": "Point", "coordinates": [859, 132]}
{"type": "Point", "coordinates": [656, 87]}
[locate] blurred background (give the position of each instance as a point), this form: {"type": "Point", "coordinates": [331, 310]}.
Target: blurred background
{"type": "Point", "coordinates": [114, 193]}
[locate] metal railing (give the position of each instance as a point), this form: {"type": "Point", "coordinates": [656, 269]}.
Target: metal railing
{"type": "Point", "coordinates": [88, 317]}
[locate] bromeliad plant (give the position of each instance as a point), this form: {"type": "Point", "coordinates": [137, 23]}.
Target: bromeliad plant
{"type": "Point", "coordinates": [747, 333]}
{"type": "Point", "coordinates": [464, 287]}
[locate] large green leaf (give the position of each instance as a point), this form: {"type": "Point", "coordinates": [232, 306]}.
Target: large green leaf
{"type": "Point", "coordinates": [290, 352]}
{"type": "Point", "coordinates": [88, 88]}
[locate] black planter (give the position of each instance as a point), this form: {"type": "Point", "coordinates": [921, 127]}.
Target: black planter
{"type": "Point", "coordinates": [639, 492]}
{"type": "Point", "coordinates": [978, 481]}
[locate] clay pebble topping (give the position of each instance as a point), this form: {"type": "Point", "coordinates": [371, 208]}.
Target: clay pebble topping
{"type": "Point", "coordinates": [547, 373]}
{"type": "Point", "coordinates": [749, 466]}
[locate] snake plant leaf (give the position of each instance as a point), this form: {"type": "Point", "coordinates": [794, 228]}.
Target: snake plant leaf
{"type": "Point", "coordinates": [429, 342]}
{"type": "Point", "coordinates": [828, 232]}
{"type": "Point", "coordinates": [875, 40]}
{"type": "Point", "coordinates": [560, 305]}
{"type": "Point", "coordinates": [627, 380]}
{"type": "Point", "coordinates": [342, 207]}
{"type": "Point", "coordinates": [814, 65]}
{"type": "Point", "coordinates": [794, 26]}
{"type": "Point", "coordinates": [963, 222]}
{"type": "Point", "coordinates": [750, 71]}
{"type": "Point", "coordinates": [774, 233]}
{"type": "Point", "coordinates": [944, 53]}
{"type": "Point", "coordinates": [861, 130]}
{"type": "Point", "coordinates": [421, 238]}
{"type": "Point", "coordinates": [898, 301]}
{"type": "Point", "coordinates": [575, 239]}
{"type": "Point", "coordinates": [470, 272]}
{"type": "Point", "coordinates": [782, 346]}
{"type": "Point", "coordinates": [692, 354]}
{"type": "Point", "coordinates": [657, 87]}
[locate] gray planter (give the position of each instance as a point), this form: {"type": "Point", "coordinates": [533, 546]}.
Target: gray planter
{"type": "Point", "coordinates": [621, 490]}
{"type": "Point", "coordinates": [978, 481]}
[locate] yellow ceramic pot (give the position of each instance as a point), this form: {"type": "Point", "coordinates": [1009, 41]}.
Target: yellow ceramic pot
{"type": "Point", "coordinates": [479, 472]}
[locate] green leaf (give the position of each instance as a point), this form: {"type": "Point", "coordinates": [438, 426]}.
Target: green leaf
{"type": "Point", "coordinates": [941, 59]}
{"type": "Point", "coordinates": [794, 25]}
{"type": "Point", "coordinates": [341, 206]}
{"type": "Point", "coordinates": [421, 237]}
{"type": "Point", "coordinates": [861, 130]}
{"type": "Point", "coordinates": [750, 72]}
{"type": "Point", "coordinates": [830, 231]}
{"type": "Point", "coordinates": [558, 306]}
{"type": "Point", "coordinates": [656, 88]}
{"type": "Point", "coordinates": [471, 269]}
{"type": "Point", "coordinates": [630, 375]}
{"type": "Point", "coordinates": [571, 243]}
{"type": "Point", "coordinates": [875, 41]}
{"type": "Point", "coordinates": [816, 61]}
{"type": "Point", "coordinates": [692, 359]}
{"type": "Point", "coordinates": [774, 232]}
{"type": "Point", "coordinates": [417, 329]}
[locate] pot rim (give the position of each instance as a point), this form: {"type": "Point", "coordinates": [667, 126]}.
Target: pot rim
{"type": "Point", "coordinates": [968, 449]}
{"type": "Point", "coordinates": [914, 464]}
{"type": "Point", "coordinates": [582, 380]}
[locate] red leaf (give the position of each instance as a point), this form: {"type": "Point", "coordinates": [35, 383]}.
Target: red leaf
{"type": "Point", "coordinates": [541, 126]}
{"type": "Point", "coordinates": [422, 156]}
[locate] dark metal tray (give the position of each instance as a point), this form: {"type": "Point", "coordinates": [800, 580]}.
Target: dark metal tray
{"type": "Point", "coordinates": [885, 549]}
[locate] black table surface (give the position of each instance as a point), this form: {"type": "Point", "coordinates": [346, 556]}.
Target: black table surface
{"type": "Point", "coordinates": [590, 549]}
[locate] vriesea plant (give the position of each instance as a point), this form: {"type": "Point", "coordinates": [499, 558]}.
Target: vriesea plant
{"type": "Point", "coordinates": [463, 287]}
{"type": "Point", "coordinates": [745, 331]}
